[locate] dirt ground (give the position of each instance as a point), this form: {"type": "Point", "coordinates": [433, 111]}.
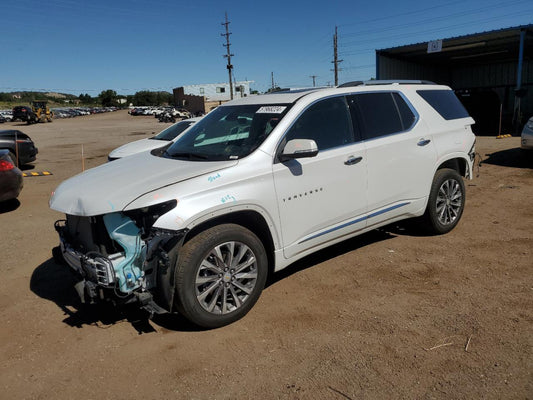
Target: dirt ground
{"type": "Point", "coordinates": [390, 314]}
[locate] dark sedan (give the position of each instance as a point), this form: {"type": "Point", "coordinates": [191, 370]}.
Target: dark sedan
{"type": "Point", "coordinates": [10, 177]}
{"type": "Point", "coordinates": [18, 143]}
{"type": "Point", "coordinates": [24, 113]}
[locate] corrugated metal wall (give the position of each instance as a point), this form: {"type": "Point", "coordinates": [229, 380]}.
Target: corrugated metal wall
{"type": "Point", "coordinates": [389, 68]}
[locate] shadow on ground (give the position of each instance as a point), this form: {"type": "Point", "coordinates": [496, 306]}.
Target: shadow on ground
{"type": "Point", "coordinates": [26, 167]}
{"type": "Point", "coordinates": [55, 282]}
{"type": "Point", "coordinates": [331, 252]}
{"type": "Point", "coordinates": [516, 158]}
{"type": "Point", "coordinates": [9, 205]}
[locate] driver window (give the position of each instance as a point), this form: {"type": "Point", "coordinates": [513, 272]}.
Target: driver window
{"type": "Point", "coordinates": [326, 122]}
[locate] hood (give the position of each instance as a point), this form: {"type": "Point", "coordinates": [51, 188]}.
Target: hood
{"type": "Point", "coordinates": [112, 186]}
{"type": "Point", "coordinates": [136, 147]}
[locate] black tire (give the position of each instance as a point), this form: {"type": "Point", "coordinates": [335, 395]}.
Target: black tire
{"type": "Point", "coordinates": [57, 255]}
{"type": "Point", "coordinates": [229, 292]}
{"type": "Point", "coordinates": [446, 201]}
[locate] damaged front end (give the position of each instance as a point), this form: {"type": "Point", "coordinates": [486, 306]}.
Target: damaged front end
{"type": "Point", "coordinates": [121, 257]}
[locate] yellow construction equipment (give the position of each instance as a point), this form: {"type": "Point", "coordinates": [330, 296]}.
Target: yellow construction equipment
{"type": "Point", "coordinates": [41, 111]}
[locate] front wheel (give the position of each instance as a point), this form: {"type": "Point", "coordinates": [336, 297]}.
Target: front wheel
{"type": "Point", "coordinates": [220, 274]}
{"type": "Point", "coordinates": [446, 201]}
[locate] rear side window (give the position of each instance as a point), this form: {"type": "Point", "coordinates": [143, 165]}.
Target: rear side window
{"type": "Point", "coordinates": [445, 102]}
{"type": "Point", "coordinates": [381, 114]}
{"type": "Point", "coordinates": [406, 115]}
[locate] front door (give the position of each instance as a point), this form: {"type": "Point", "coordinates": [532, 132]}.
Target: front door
{"type": "Point", "coordinates": [322, 198]}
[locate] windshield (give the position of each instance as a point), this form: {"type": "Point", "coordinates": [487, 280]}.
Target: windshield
{"type": "Point", "coordinates": [228, 133]}
{"type": "Point", "coordinates": [172, 131]}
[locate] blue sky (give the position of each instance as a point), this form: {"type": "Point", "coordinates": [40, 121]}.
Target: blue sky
{"type": "Point", "coordinates": [78, 47]}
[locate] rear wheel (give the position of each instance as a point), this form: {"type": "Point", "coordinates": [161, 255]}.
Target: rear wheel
{"type": "Point", "coordinates": [446, 201]}
{"type": "Point", "coordinates": [220, 274]}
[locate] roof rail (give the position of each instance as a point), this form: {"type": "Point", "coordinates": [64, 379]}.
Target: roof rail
{"type": "Point", "coordinates": [387, 82]}
{"type": "Point", "coordinates": [352, 83]}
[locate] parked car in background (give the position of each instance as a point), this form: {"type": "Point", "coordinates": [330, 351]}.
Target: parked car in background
{"type": "Point", "coordinates": [10, 177]}
{"type": "Point", "coordinates": [260, 182]}
{"type": "Point", "coordinates": [20, 146]}
{"type": "Point", "coordinates": [137, 111]}
{"type": "Point", "coordinates": [527, 135]}
{"type": "Point", "coordinates": [7, 115]}
{"type": "Point", "coordinates": [159, 140]}
{"type": "Point", "coordinates": [23, 113]}
{"type": "Point", "coordinates": [2, 119]}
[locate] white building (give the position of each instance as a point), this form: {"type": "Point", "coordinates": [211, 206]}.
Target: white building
{"type": "Point", "coordinates": [200, 99]}
{"type": "Point", "coordinates": [219, 91]}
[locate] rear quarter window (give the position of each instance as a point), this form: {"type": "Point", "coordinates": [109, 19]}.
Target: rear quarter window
{"type": "Point", "coordinates": [445, 102]}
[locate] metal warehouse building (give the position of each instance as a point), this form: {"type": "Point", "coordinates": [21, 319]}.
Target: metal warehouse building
{"type": "Point", "coordinates": [491, 72]}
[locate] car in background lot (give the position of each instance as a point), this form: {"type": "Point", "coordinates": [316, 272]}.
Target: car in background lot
{"type": "Point", "coordinates": [527, 135]}
{"type": "Point", "coordinates": [10, 177]}
{"type": "Point", "coordinates": [159, 140]}
{"type": "Point", "coordinates": [20, 146]}
{"type": "Point", "coordinates": [7, 115]}
{"type": "Point", "coordinates": [23, 113]}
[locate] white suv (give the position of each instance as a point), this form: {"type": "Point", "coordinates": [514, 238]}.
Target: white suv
{"type": "Point", "coordinates": [196, 227]}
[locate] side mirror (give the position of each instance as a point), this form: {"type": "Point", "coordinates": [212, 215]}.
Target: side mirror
{"type": "Point", "coordinates": [298, 148]}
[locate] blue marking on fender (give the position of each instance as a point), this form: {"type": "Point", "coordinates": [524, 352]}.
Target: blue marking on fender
{"type": "Point", "coordinates": [355, 221]}
{"type": "Point", "coordinates": [228, 198]}
{"type": "Point", "coordinates": [124, 231]}
{"type": "Point", "coordinates": [213, 177]}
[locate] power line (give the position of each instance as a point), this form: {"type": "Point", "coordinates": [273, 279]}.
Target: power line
{"type": "Point", "coordinates": [445, 28]}
{"type": "Point", "coordinates": [434, 19]}
{"type": "Point", "coordinates": [403, 14]}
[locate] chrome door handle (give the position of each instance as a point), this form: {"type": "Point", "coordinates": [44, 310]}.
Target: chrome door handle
{"type": "Point", "coordinates": [353, 160]}
{"type": "Point", "coordinates": [423, 142]}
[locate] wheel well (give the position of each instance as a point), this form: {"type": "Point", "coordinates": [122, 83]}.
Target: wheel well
{"type": "Point", "coordinates": [251, 220]}
{"type": "Point", "coordinates": [457, 164]}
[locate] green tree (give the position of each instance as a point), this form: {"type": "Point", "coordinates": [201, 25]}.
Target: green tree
{"type": "Point", "coordinates": [148, 98]}
{"type": "Point", "coordinates": [144, 98]}
{"type": "Point", "coordinates": [85, 98]}
{"type": "Point", "coordinates": [108, 98]}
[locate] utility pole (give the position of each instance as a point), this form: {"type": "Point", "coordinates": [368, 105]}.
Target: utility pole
{"type": "Point", "coordinates": [272, 77]}
{"type": "Point", "coordinates": [313, 77]}
{"type": "Point", "coordinates": [336, 60]}
{"type": "Point", "coordinates": [228, 55]}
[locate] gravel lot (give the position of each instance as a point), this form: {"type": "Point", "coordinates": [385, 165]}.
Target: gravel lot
{"type": "Point", "coordinates": [390, 314]}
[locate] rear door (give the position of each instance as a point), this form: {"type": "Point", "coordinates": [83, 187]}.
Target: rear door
{"type": "Point", "coordinates": [400, 154]}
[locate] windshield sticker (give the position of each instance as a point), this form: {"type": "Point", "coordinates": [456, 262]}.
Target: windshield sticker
{"type": "Point", "coordinates": [271, 110]}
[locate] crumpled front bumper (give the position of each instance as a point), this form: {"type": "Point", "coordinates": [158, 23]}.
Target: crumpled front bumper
{"type": "Point", "coordinates": [95, 272]}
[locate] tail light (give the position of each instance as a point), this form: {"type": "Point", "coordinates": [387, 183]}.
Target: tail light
{"type": "Point", "coordinates": [6, 165]}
